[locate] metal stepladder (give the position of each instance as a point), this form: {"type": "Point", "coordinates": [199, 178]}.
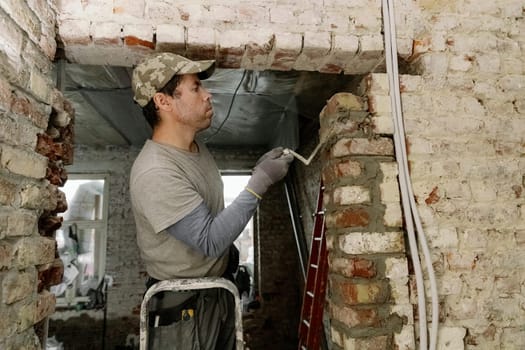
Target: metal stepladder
{"type": "Point", "coordinates": [311, 335]}
{"type": "Point", "coordinates": [190, 284]}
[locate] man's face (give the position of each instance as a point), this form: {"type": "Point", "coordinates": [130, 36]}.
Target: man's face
{"type": "Point", "coordinates": [193, 102]}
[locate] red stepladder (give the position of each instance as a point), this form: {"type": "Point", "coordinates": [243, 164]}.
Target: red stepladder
{"type": "Point", "coordinates": [311, 334]}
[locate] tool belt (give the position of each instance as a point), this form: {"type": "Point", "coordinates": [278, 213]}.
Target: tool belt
{"type": "Point", "coordinates": [169, 315]}
{"type": "Point", "coordinates": [161, 315]}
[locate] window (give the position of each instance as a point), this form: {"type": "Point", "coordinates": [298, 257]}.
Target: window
{"type": "Point", "coordinates": [233, 185]}
{"type": "Point", "coordinates": [81, 241]}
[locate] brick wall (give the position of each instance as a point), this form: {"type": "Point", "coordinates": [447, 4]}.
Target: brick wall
{"type": "Point", "coordinates": [35, 143]}
{"type": "Point", "coordinates": [332, 36]}
{"type": "Point", "coordinates": [463, 108]}
{"type": "Point", "coordinates": [368, 294]}
{"type": "Point", "coordinates": [464, 121]}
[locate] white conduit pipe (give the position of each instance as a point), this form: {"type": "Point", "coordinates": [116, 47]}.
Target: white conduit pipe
{"type": "Point", "coordinates": [407, 194]}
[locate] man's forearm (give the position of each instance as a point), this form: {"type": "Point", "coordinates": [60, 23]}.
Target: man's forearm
{"type": "Point", "coordinates": [213, 235]}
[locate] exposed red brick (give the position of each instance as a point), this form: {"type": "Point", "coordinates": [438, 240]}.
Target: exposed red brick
{"type": "Point", "coordinates": [433, 196]}
{"type": "Point", "coordinates": [51, 275]}
{"type": "Point", "coordinates": [352, 293]}
{"type": "Point", "coordinates": [284, 59]}
{"type": "Point", "coordinates": [56, 174]}
{"type": "Point", "coordinates": [331, 69]}
{"type": "Point", "coordinates": [353, 267]}
{"type": "Point", "coordinates": [285, 54]}
{"type": "Point", "coordinates": [54, 150]}
{"type": "Point", "coordinates": [61, 203]}
{"type": "Point", "coordinates": [130, 40]}
{"type": "Point", "coordinates": [363, 268]}
{"type": "Point", "coordinates": [67, 153]}
{"type": "Point", "coordinates": [47, 225]}
{"type": "Point", "coordinates": [352, 218]}
{"type": "Point", "coordinates": [47, 147]}
{"type": "Point", "coordinates": [341, 169]}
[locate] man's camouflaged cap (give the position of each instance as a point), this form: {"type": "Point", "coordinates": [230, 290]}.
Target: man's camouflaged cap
{"type": "Point", "coordinates": [154, 72]}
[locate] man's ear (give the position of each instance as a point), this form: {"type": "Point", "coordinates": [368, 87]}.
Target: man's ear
{"type": "Point", "coordinates": [162, 101]}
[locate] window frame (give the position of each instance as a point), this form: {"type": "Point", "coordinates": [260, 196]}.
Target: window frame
{"type": "Point", "coordinates": [70, 300]}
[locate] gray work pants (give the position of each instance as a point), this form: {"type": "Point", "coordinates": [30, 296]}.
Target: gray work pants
{"type": "Point", "coordinates": [210, 326]}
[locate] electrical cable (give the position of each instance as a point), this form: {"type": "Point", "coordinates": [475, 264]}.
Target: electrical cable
{"type": "Point", "coordinates": [229, 108]}
{"type": "Point", "coordinates": [407, 195]}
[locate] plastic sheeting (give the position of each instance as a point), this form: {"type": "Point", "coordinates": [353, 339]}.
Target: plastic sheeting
{"type": "Point", "coordinates": [251, 108]}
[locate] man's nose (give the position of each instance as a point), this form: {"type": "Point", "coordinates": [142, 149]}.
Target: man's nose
{"type": "Point", "coordinates": [207, 95]}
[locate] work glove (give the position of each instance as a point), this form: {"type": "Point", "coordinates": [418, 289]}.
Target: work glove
{"type": "Point", "coordinates": [269, 169]}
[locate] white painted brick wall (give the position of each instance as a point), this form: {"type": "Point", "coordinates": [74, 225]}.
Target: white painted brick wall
{"type": "Point", "coordinates": [168, 33]}
{"type": "Point", "coordinates": [351, 195]}
{"type": "Point", "coordinates": [393, 215]}
{"type": "Point", "coordinates": [462, 125]}
{"type": "Point", "coordinates": [105, 32]}
{"type": "Point", "coordinates": [451, 338]}
{"type": "Point", "coordinates": [370, 243]}
{"type": "Point", "coordinates": [389, 188]}
{"type": "Point", "coordinates": [353, 27]}
{"type": "Point", "coordinates": [316, 46]}
{"type": "Point", "coordinates": [140, 31]}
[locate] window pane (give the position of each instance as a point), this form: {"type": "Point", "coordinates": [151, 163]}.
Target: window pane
{"type": "Point", "coordinates": [76, 248]}
{"type": "Point", "coordinates": [233, 185]}
{"type": "Point", "coordinates": [84, 198]}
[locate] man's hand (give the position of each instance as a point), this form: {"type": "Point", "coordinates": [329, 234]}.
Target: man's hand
{"type": "Point", "coordinates": [269, 169]}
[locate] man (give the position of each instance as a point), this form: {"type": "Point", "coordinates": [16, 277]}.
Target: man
{"type": "Point", "coordinates": [183, 229]}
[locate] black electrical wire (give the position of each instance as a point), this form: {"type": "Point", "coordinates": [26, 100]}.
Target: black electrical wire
{"type": "Point", "coordinates": [229, 108]}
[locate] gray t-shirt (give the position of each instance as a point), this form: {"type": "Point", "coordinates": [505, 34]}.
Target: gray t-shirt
{"type": "Point", "coordinates": [166, 184]}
